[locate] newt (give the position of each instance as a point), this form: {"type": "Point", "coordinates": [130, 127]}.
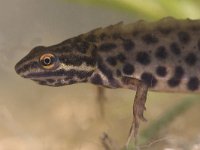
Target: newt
{"type": "Point", "coordinates": [161, 56]}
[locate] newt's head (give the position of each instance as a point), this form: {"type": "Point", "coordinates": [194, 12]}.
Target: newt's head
{"type": "Point", "coordinates": [57, 65]}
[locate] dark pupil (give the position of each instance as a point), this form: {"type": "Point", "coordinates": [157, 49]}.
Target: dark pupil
{"type": "Point", "coordinates": [47, 61]}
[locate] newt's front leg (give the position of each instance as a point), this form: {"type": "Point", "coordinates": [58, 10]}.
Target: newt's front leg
{"type": "Point", "coordinates": [138, 105]}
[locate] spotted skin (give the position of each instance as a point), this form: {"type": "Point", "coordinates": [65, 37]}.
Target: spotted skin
{"type": "Point", "coordinates": [159, 56]}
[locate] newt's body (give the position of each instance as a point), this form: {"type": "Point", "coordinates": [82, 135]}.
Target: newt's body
{"type": "Point", "coordinates": [161, 56]}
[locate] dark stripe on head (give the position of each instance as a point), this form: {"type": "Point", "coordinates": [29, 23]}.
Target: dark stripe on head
{"type": "Point", "coordinates": [26, 67]}
{"type": "Point", "coordinates": [61, 73]}
{"type": "Point", "coordinates": [37, 51]}
{"type": "Point", "coordinates": [77, 60]}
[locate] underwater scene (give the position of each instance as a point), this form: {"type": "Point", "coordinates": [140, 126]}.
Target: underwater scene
{"type": "Point", "coordinates": [83, 116]}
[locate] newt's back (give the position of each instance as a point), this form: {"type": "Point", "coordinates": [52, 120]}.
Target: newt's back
{"type": "Point", "coordinates": [164, 54]}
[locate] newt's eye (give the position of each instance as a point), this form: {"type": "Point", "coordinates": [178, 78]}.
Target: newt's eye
{"type": "Point", "coordinates": [48, 61]}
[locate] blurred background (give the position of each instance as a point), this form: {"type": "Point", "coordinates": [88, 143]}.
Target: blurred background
{"type": "Point", "coordinates": [34, 117]}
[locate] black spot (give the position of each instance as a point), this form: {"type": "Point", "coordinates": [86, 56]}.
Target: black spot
{"type": "Point", "coordinates": [175, 48]}
{"type": "Point", "coordinates": [82, 47]}
{"type": "Point", "coordinates": [176, 79]}
{"type": "Point", "coordinates": [112, 61]}
{"type": "Point", "coordinates": [118, 73]}
{"type": "Point", "coordinates": [121, 57]}
{"type": "Point", "coordinates": [107, 47]}
{"type": "Point", "coordinates": [179, 72]}
{"type": "Point", "coordinates": [91, 38]}
{"type": "Point", "coordinates": [184, 37]}
{"type": "Point", "coordinates": [150, 39]}
{"type": "Point", "coordinates": [193, 83]}
{"type": "Point", "coordinates": [143, 58]}
{"type": "Point", "coordinates": [128, 45]}
{"type": "Point", "coordinates": [198, 44]}
{"type": "Point", "coordinates": [161, 71]}
{"type": "Point", "coordinates": [173, 82]}
{"type": "Point", "coordinates": [128, 69]}
{"type": "Point", "coordinates": [96, 79]}
{"type": "Point", "coordinates": [191, 59]}
{"type": "Point", "coordinates": [149, 79]}
{"type": "Point", "coordinates": [161, 52]}
{"type": "Point", "coordinates": [63, 73]}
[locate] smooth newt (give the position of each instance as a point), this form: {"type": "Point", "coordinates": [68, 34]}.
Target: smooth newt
{"type": "Point", "coordinates": [159, 56]}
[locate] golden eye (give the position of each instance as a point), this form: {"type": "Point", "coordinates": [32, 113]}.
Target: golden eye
{"type": "Point", "coordinates": [48, 61]}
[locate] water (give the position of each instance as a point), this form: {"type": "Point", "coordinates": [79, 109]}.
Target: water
{"type": "Point", "coordinates": [34, 117]}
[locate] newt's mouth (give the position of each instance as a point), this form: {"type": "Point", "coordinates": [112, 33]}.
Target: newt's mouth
{"type": "Point", "coordinates": [23, 68]}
